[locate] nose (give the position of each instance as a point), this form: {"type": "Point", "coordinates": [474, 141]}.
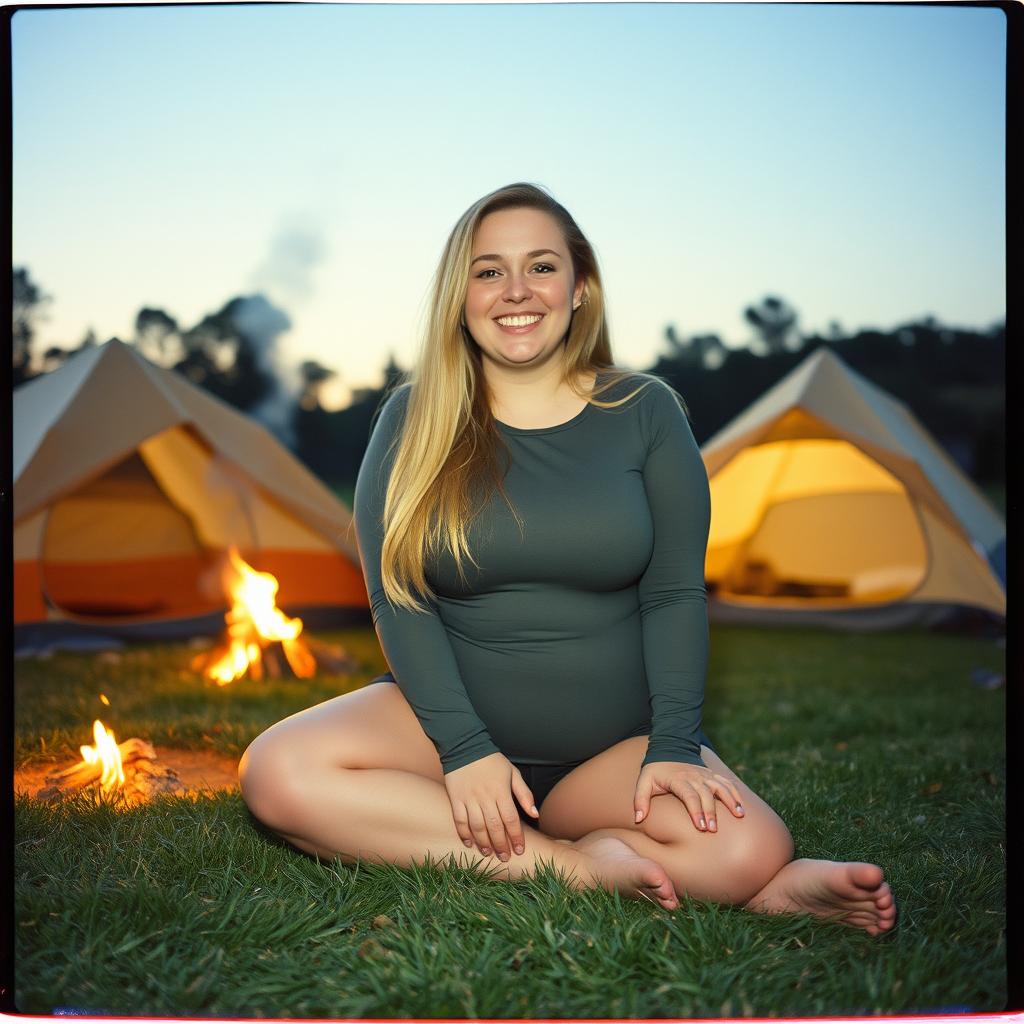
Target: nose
{"type": "Point", "coordinates": [517, 288]}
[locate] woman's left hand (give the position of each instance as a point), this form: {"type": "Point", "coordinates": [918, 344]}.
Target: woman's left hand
{"type": "Point", "coordinates": [694, 784]}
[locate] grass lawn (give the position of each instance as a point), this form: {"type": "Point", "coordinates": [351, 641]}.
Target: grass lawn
{"type": "Point", "coordinates": [871, 748]}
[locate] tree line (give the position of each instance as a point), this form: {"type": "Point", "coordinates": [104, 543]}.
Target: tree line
{"type": "Point", "coordinates": [952, 379]}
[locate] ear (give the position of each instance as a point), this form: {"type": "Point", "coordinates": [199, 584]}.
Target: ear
{"type": "Point", "coordinates": [577, 292]}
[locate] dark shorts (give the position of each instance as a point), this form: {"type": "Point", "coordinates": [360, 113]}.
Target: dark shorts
{"type": "Point", "coordinates": [541, 778]}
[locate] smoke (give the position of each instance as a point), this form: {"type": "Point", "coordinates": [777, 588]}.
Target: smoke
{"type": "Point", "coordinates": [286, 277]}
{"type": "Point", "coordinates": [263, 324]}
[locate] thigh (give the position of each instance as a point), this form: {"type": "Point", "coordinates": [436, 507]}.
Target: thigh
{"type": "Point", "coordinates": [372, 727]}
{"type": "Point", "coordinates": [599, 794]}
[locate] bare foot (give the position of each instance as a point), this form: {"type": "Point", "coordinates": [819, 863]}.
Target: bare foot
{"type": "Point", "coordinates": [851, 892]}
{"type": "Point", "coordinates": [615, 865]}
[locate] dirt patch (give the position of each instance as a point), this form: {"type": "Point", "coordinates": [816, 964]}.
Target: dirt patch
{"type": "Point", "coordinates": [181, 772]}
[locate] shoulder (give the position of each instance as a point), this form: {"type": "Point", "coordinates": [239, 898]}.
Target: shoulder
{"type": "Point", "coordinates": [654, 401]}
{"type": "Point", "coordinates": [390, 411]}
{"type": "Point", "coordinates": [637, 387]}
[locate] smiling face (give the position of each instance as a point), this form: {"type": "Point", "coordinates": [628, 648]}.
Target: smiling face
{"type": "Point", "coordinates": [522, 289]}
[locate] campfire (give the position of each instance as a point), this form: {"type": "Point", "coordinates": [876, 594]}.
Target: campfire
{"type": "Point", "coordinates": [107, 755]}
{"type": "Point", "coordinates": [260, 640]}
{"type": "Point", "coordinates": [123, 771]}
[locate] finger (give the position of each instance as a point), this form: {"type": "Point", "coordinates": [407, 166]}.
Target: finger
{"type": "Point", "coordinates": [641, 801]}
{"type": "Point", "coordinates": [461, 818]}
{"type": "Point", "coordinates": [707, 804]}
{"type": "Point", "coordinates": [513, 826]}
{"type": "Point", "coordinates": [730, 796]}
{"type": "Point", "coordinates": [691, 799]}
{"type": "Point", "coordinates": [524, 795]}
{"type": "Point", "coordinates": [496, 830]}
{"type": "Point", "coordinates": [479, 828]}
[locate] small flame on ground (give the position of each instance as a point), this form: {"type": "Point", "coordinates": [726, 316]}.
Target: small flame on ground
{"type": "Point", "coordinates": [107, 754]}
{"type": "Point", "coordinates": [103, 697]}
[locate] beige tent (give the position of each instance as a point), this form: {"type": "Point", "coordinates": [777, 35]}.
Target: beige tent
{"type": "Point", "coordinates": [832, 505]}
{"type": "Point", "coordinates": [130, 483]}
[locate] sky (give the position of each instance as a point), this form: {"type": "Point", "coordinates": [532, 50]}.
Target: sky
{"type": "Point", "coordinates": [847, 158]}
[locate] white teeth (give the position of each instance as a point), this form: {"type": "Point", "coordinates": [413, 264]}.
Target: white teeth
{"type": "Point", "coordinates": [517, 321]}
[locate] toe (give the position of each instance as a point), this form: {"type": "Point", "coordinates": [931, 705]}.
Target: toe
{"type": "Point", "coordinates": [660, 896]}
{"type": "Point", "coordinates": [866, 921]}
{"type": "Point", "coordinates": [866, 876]}
{"type": "Point", "coordinates": [667, 892]}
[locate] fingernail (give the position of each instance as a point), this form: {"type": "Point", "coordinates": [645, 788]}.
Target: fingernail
{"type": "Point", "coordinates": [468, 842]}
{"type": "Point", "coordinates": [639, 815]}
{"type": "Point", "coordinates": [703, 823]}
{"type": "Point", "coordinates": [503, 856]}
{"type": "Point", "coordinates": [519, 849]}
{"type": "Point", "coordinates": [486, 851]}
{"type": "Point", "coordinates": [740, 809]}
{"type": "Point", "coordinates": [713, 825]}
{"type": "Point", "coordinates": [533, 809]}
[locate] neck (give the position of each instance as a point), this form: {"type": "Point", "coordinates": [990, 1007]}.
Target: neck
{"type": "Point", "coordinates": [526, 393]}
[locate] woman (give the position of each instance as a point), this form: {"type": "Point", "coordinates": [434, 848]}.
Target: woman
{"type": "Point", "coordinates": [532, 523]}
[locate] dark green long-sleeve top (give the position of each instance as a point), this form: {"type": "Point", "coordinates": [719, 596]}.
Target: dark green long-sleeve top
{"type": "Point", "coordinates": [587, 628]}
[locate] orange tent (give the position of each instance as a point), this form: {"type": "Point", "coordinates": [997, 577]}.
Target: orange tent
{"type": "Point", "coordinates": [130, 483]}
{"type": "Point", "coordinates": [832, 505]}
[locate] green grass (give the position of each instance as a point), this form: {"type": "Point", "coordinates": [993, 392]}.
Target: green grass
{"type": "Point", "coordinates": [870, 747]}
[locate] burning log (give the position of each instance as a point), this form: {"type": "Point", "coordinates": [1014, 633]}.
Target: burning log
{"type": "Point", "coordinates": [261, 640]}
{"type": "Point", "coordinates": [105, 764]}
{"type": "Point", "coordinates": [84, 772]}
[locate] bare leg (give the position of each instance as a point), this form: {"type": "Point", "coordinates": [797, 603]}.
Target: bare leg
{"type": "Point", "coordinates": [312, 779]}
{"type": "Point", "coordinates": [746, 862]}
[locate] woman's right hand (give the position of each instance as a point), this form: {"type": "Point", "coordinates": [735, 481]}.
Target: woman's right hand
{"type": "Point", "coordinates": [481, 797]}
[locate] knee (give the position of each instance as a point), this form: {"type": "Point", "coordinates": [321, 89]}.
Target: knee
{"type": "Point", "coordinates": [268, 775]}
{"type": "Point", "coordinates": [754, 856]}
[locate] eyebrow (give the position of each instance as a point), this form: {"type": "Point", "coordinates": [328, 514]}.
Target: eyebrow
{"type": "Point", "coordinates": [529, 255]}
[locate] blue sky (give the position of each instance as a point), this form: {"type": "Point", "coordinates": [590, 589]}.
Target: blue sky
{"type": "Point", "coordinates": [849, 158]}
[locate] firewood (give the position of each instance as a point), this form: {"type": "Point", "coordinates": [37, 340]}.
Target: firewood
{"type": "Point", "coordinates": [82, 773]}
{"type": "Point", "coordinates": [272, 663]}
{"type": "Point", "coordinates": [143, 779]}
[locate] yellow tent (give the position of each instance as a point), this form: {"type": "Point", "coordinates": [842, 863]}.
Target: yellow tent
{"type": "Point", "coordinates": [130, 483]}
{"type": "Point", "coordinates": [831, 504]}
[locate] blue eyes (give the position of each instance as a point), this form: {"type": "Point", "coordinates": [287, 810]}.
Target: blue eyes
{"type": "Point", "coordinates": [492, 270]}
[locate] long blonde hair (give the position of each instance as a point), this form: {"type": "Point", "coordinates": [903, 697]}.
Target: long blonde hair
{"type": "Point", "coordinates": [448, 441]}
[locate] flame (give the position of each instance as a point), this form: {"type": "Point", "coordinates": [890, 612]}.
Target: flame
{"type": "Point", "coordinates": [107, 753]}
{"type": "Point", "coordinates": [253, 621]}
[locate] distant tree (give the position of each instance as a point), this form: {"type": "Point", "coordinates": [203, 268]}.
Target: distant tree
{"type": "Point", "coordinates": [315, 441]}
{"type": "Point", "coordinates": [699, 350]}
{"type": "Point", "coordinates": [56, 355]}
{"type": "Point", "coordinates": [711, 350]}
{"type": "Point", "coordinates": [227, 351]}
{"type": "Point", "coordinates": [775, 326]}
{"type": "Point", "coordinates": [835, 331]}
{"type": "Point", "coordinates": [157, 337]}
{"type": "Point", "coordinates": [28, 305]}
{"type": "Point", "coordinates": [313, 376]}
